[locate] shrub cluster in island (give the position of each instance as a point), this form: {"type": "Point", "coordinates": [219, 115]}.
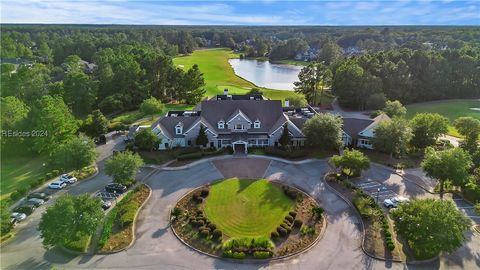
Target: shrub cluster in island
{"type": "Point", "coordinates": [247, 219]}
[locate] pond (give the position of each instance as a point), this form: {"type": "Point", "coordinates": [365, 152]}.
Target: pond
{"type": "Point", "coordinates": [266, 74]}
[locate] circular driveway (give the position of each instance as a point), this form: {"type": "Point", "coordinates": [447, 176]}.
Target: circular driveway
{"type": "Point", "coordinates": [157, 248]}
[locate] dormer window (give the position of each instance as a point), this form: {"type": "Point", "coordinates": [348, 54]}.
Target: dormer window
{"type": "Point", "coordinates": [221, 125]}
{"type": "Point", "coordinates": [256, 124]}
{"type": "Point", "coordinates": [179, 128]}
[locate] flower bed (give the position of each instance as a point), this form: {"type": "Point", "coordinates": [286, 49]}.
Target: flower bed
{"type": "Point", "coordinates": [296, 231]}
{"type": "Point", "coordinates": [117, 230]}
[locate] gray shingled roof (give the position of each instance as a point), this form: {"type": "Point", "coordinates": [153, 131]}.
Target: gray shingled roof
{"type": "Point", "coordinates": [267, 111]}
{"type": "Point", "coordinates": [168, 124]}
{"type": "Point", "coordinates": [352, 126]}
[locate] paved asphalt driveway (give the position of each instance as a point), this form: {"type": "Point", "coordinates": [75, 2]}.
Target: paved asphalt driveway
{"type": "Point", "coordinates": [157, 248]}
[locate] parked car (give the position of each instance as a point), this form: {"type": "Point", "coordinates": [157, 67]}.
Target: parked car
{"type": "Point", "coordinates": [36, 202]}
{"type": "Point", "coordinates": [18, 216]}
{"type": "Point", "coordinates": [395, 202]}
{"type": "Point", "coordinates": [115, 188]}
{"type": "Point", "coordinates": [68, 179]}
{"type": "Point", "coordinates": [106, 205]}
{"type": "Point", "coordinates": [57, 185]}
{"type": "Point", "coordinates": [101, 140]}
{"type": "Point", "coordinates": [39, 195]}
{"type": "Point", "coordinates": [27, 209]}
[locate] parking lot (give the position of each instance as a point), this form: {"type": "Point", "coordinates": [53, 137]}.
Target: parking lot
{"type": "Point", "coordinates": [466, 208]}
{"type": "Point", "coordinates": [377, 190]}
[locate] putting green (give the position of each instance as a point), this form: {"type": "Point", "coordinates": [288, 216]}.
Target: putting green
{"type": "Point", "coordinates": [242, 207]}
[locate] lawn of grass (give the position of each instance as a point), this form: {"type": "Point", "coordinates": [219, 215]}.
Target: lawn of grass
{"type": "Point", "coordinates": [242, 207]}
{"type": "Point", "coordinates": [19, 171]}
{"type": "Point", "coordinates": [130, 117]}
{"type": "Point", "coordinates": [452, 109]}
{"type": "Point", "coordinates": [218, 73]}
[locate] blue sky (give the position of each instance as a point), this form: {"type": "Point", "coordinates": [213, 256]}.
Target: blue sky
{"type": "Point", "coordinates": [246, 12]}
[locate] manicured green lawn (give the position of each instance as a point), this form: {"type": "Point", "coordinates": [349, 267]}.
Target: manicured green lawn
{"type": "Point", "coordinates": [19, 172]}
{"type": "Point", "coordinates": [452, 109]}
{"type": "Point", "coordinates": [132, 116]}
{"type": "Point", "coordinates": [242, 207]}
{"type": "Point", "coordinates": [218, 73]}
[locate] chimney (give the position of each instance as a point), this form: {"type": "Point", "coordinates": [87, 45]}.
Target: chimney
{"type": "Point", "coordinates": [287, 103]}
{"type": "Point", "coordinates": [225, 91]}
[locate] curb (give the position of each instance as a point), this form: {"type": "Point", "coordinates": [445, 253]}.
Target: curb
{"type": "Point", "coordinates": [256, 261]}
{"type": "Point", "coordinates": [361, 222]}
{"type": "Point", "coordinates": [134, 238]}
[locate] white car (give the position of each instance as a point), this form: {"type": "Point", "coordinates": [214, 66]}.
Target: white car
{"type": "Point", "coordinates": [18, 216]}
{"type": "Point", "coordinates": [66, 178]}
{"type": "Point", "coordinates": [395, 201]}
{"type": "Point", "coordinates": [57, 185]}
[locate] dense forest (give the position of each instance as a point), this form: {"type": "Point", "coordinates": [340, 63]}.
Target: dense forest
{"type": "Point", "coordinates": [131, 63]}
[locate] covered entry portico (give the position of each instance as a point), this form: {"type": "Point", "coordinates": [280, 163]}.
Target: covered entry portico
{"type": "Point", "coordinates": [240, 147]}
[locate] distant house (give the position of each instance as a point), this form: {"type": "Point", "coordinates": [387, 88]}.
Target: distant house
{"type": "Point", "coordinates": [16, 62]}
{"type": "Point", "coordinates": [360, 132]}
{"type": "Point", "coordinates": [87, 67]}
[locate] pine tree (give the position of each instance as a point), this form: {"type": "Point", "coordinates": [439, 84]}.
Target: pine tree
{"type": "Point", "coordinates": [202, 138]}
{"type": "Point", "coordinates": [285, 138]}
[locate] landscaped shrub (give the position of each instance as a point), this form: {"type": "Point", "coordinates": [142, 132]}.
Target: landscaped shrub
{"type": "Point", "coordinates": [292, 214]}
{"type": "Point", "coordinates": [217, 234]}
{"type": "Point", "coordinates": [18, 194]}
{"type": "Point", "coordinates": [262, 254]}
{"type": "Point", "coordinates": [212, 226]}
{"type": "Point", "coordinates": [235, 255]}
{"type": "Point", "coordinates": [34, 185]}
{"type": "Point", "coordinates": [107, 227]}
{"type": "Point", "coordinates": [290, 192]}
{"type": "Point", "coordinates": [282, 231]}
{"type": "Point", "coordinates": [185, 151]}
{"type": "Point", "coordinates": [190, 156]}
{"type": "Point", "coordinates": [363, 206]}
{"type": "Point", "coordinates": [304, 230]}
{"type": "Point", "coordinates": [127, 213]}
{"type": "Point", "coordinates": [274, 235]}
{"type": "Point", "coordinates": [55, 173]}
{"type": "Point", "coordinates": [317, 211]}
{"type": "Point", "coordinates": [204, 192]}
{"type": "Point", "coordinates": [298, 223]}
{"type": "Point", "coordinates": [272, 151]}
{"type": "Point", "coordinates": [289, 218]}
{"type": "Point", "coordinates": [284, 225]}
{"type": "Point", "coordinates": [204, 233]}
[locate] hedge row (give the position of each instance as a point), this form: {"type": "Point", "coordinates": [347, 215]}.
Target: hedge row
{"type": "Point", "coordinates": [258, 247]}
{"type": "Point", "coordinates": [199, 154]}
{"type": "Point", "coordinates": [107, 227]}
{"type": "Point", "coordinates": [272, 151]}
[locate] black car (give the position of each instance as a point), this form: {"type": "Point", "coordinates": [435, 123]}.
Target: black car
{"type": "Point", "coordinates": [39, 195]}
{"type": "Point", "coordinates": [27, 209]}
{"type": "Point", "coordinates": [115, 188]}
{"type": "Point", "coordinates": [101, 140]}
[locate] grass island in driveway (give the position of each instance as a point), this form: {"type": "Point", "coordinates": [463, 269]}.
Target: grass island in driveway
{"type": "Point", "coordinates": [243, 207]}
{"type": "Point", "coordinates": [248, 218]}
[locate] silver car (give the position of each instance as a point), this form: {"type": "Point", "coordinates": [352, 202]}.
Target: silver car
{"type": "Point", "coordinates": [395, 201]}
{"type": "Point", "coordinates": [18, 216]}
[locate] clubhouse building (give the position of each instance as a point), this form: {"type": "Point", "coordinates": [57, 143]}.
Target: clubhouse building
{"type": "Point", "coordinates": [243, 121]}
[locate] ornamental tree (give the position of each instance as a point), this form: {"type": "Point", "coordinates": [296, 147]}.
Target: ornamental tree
{"type": "Point", "coordinates": [430, 226]}
{"type": "Point", "coordinates": [284, 139]}
{"type": "Point", "coordinates": [323, 131]}
{"type": "Point", "coordinates": [145, 139]}
{"type": "Point", "coordinates": [70, 219]}
{"type": "Point", "coordinates": [202, 138]}
{"type": "Point", "coordinates": [352, 162]}
{"type": "Point", "coordinates": [151, 106]}
{"type": "Point", "coordinates": [123, 167]}
{"type": "Point", "coordinates": [394, 109]}
{"type": "Point", "coordinates": [427, 128]}
{"type": "Point", "coordinates": [447, 165]}
{"type": "Point", "coordinates": [392, 137]}
{"type": "Point", "coordinates": [74, 154]}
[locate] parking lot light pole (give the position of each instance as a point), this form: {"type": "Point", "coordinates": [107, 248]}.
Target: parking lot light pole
{"type": "Point", "coordinates": [378, 191]}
